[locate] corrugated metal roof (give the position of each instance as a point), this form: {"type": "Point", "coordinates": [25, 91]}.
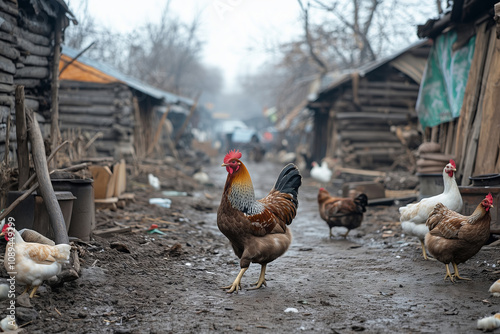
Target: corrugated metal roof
{"type": "Point", "coordinates": [129, 81]}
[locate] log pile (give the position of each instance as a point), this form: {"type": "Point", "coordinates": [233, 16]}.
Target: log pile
{"type": "Point", "coordinates": [365, 119]}
{"type": "Point", "coordinates": [96, 107]}
{"type": "Point", "coordinates": [26, 39]}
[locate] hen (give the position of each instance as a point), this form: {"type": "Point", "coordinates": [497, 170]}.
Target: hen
{"type": "Point", "coordinates": [321, 173]}
{"type": "Point", "coordinates": [455, 238]}
{"type": "Point", "coordinates": [33, 262]}
{"type": "Point", "coordinates": [338, 211]}
{"type": "Point", "coordinates": [257, 229]}
{"type": "Point", "coordinates": [413, 216]}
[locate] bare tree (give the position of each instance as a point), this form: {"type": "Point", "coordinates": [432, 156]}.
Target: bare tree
{"type": "Point", "coordinates": [166, 54]}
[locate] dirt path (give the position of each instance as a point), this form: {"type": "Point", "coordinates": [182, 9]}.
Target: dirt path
{"type": "Point", "coordinates": [170, 283]}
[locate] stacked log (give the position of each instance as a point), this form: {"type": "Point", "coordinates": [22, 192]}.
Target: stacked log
{"type": "Point", "coordinates": [364, 121]}
{"type": "Point", "coordinates": [97, 107]}
{"type": "Point", "coordinates": [430, 159]}
{"type": "Point", "coordinates": [26, 39]}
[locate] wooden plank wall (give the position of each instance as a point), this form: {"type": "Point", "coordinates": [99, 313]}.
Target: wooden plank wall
{"type": "Point", "coordinates": [474, 138]}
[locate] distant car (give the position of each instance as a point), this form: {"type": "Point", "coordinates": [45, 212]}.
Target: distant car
{"type": "Point", "coordinates": [250, 141]}
{"type": "Point", "coordinates": [245, 136]}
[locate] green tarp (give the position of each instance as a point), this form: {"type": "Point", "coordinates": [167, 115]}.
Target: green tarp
{"type": "Point", "coordinates": [443, 84]}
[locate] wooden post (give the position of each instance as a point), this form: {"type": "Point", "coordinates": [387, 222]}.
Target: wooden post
{"type": "Point", "coordinates": [42, 172]}
{"type": "Point", "coordinates": [186, 121]}
{"type": "Point", "coordinates": [158, 131]}
{"type": "Point", "coordinates": [497, 18]}
{"type": "Point", "coordinates": [54, 130]}
{"type": "Point", "coordinates": [23, 159]}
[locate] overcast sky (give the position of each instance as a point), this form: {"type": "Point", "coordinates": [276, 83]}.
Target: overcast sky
{"type": "Point", "coordinates": [236, 31]}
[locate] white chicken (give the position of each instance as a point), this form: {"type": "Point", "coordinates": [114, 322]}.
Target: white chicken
{"type": "Point", "coordinates": [321, 173]}
{"type": "Point", "coordinates": [34, 262]}
{"type": "Point", "coordinates": [489, 323]}
{"type": "Point", "coordinates": [413, 216]}
{"type": "Point", "coordinates": [154, 181]}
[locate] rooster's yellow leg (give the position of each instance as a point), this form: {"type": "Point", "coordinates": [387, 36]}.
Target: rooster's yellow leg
{"type": "Point", "coordinates": [345, 235]}
{"type": "Point", "coordinates": [33, 291]}
{"type": "Point", "coordinates": [331, 235]}
{"type": "Point", "coordinates": [237, 282]}
{"type": "Point", "coordinates": [448, 274]}
{"type": "Point", "coordinates": [456, 275]}
{"type": "Point", "coordinates": [424, 253]}
{"type": "Point", "coordinates": [262, 278]}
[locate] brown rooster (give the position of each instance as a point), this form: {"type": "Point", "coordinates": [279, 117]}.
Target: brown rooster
{"type": "Point", "coordinates": [455, 238]}
{"type": "Point", "coordinates": [338, 211]}
{"type": "Point", "coordinates": [257, 229]}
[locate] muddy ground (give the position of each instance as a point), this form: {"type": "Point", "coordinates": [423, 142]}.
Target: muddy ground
{"type": "Point", "coordinates": [375, 281]}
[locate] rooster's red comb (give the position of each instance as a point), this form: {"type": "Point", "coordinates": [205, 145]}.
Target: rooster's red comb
{"type": "Point", "coordinates": [489, 198]}
{"type": "Point", "coordinates": [235, 154]}
{"type": "Point", "coordinates": [452, 162]}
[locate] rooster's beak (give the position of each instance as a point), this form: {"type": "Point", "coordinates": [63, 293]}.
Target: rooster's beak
{"type": "Point", "coordinates": [223, 165]}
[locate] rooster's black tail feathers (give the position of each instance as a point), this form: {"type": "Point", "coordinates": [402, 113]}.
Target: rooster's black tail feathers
{"type": "Point", "coordinates": [289, 181]}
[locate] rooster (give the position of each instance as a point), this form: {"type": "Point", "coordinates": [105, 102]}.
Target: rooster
{"type": "Point", "coordinates": [33, 262]}
{"type": "Point", "coordinates": [337, 211]}
{"type": "Point", "coordinates": [455, 238]}
{"type": "Point", "coordinates": [257, 229]}
{"type": "Point", "coordinates": [413, 216]}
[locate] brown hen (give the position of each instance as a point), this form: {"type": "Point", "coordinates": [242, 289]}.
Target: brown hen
{"type": "Point", "coordinates": [257, 229]}
{"type": "Point", "coordinates": [339, 211]}
{"type": "Point", "coordinates": [455, 238]}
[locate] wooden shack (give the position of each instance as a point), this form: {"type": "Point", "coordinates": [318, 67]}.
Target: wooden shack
{"type": "Point", "coordinates": [356, 117]}
{"type": "Point", "coordinates": [98, 99]}
{"type": "Point", "coordinates": [472, 136]}
{"type": "Point", "coordinates": [28, 33]}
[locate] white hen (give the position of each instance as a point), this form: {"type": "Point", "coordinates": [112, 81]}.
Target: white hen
{"type": "Point", "coordinates": [321, 173]}
{"type": "Point", "coordinates": [34, 262]}
{"type": "Point", "coordinates": [413, 216]}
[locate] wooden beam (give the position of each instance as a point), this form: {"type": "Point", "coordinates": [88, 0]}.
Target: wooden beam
{"type": "Point", "coordinates": [55, 133]}
{"type": "Point", "coordinates": [489, 137]}
{"type": "Point", "coordinates": [471, 95]}
{"type": "Point", "coordinates": [472, 143]}
{"type": "Point", "coordinates": [46, 189]}
{"type": "Point", "coordinates": [23, 161]}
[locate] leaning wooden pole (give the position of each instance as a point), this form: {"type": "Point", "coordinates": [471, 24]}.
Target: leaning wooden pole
{"type": "Point", "coordinates": [23, 160]}
{"type": "Point", "coordinates": [54, 130]}
{"type": "Point", "coordinates": [49, 197]}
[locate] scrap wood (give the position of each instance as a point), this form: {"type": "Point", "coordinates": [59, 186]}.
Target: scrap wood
{"type": "Point", "coordinates": [128, 197]}
{"type": "Point", "coordinates": [101, 176]}
{"type": "Point", "coordinates": [149, 220]}
{"type": "Point", "coordinates": [106, 203]}
{"type": "Point", "coordinates": [360, 172]}
{"type": "Point", "coordinates": [112, 230]}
